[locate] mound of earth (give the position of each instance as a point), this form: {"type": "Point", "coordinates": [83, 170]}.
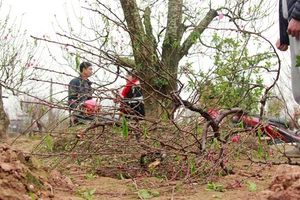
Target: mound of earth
{"type": "Point", "coordinates": [286, 185]}
{"type": "Point", "coordinates": [22, 177]}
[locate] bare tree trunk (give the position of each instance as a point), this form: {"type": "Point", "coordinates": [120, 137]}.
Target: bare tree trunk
{"type": "Point", "coordinates": [4, 120]}
{"type": "Point", "coordinates": [159, 73]}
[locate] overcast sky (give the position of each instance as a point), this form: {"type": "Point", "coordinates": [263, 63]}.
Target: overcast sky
{"type": "Point", "coordinates": [38, 15]}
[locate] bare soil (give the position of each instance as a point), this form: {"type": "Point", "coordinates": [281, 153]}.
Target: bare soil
{"type": "Point", "coordinates": [22, 176]}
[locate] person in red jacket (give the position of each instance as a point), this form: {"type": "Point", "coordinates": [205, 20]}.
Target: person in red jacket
{"type": "Point", "coordinates": [131, 97]}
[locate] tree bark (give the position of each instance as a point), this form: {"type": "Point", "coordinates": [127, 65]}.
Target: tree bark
{"type": "Point", "coordinates": [4, 120]}
{"type": "Point", "coordinates": [158, 75]}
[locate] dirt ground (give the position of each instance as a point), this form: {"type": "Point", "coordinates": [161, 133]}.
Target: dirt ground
{"type": "Point", "coordinates": [23, 177]}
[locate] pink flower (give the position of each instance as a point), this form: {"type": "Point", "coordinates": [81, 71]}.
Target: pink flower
{"type": "Point", "coordinates": [209, 156]}
{"type": "Point", "coordinates": [237, 183]}
{"type": "Point", "coordinates": [221, 16]}
{"type": "Point", "coordinates": [271, 152]}
{"type": "Point", "coordinates": [120, 167]}
{"type": "Point", "coordinates": [5, 38]}
{"type": "Point", "coordinates": [248, 13]}
{"type": "Point", "coordinates": [236, 138]}
{"type": "Point", "coordinates": [185, 68]}
{"type": "Point", "coordinates": [74, 155]}
{"type": "Point", "coordinates": [139, 175]}
{"type": "Point", "coordinates": [31, 187]}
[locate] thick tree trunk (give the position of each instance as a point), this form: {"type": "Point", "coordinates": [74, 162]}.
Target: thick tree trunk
{"type": "Point", "coordinates": [4, 120]}
{"type": "Point", "coordinates": [159, 74]}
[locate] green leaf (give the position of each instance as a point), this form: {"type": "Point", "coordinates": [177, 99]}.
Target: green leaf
{"type": "Point", "coordinates": [145, 132]}
{"type": "Point", "coordinates": [145, 194]}
{"type": "Point", "coordinates": [48, 142]}
{"type": "Point", "coordinates": [297, 60]}
{"type": "Point", "coordinates": [98, 159]}
{"type": "Point", "coordinates": [92, 191]}
{"type": "Point", "coordinates": [44, 110]}
{"type": "Point", "coordinates": [216, 144]}
{"type": "Point", "coordinates": [252, 186]}
{"type": "Point", "coordinates": [78, 161]}
{"type": "Point", "coordinates": [77, 61]}
{"type": "Point", "coordinates": [125, 127]}
{"type": "Point", "coordinates": [121, 176]}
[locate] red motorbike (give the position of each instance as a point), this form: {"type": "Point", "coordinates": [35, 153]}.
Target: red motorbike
{"type": "Point", "coordinates": [276, 128]}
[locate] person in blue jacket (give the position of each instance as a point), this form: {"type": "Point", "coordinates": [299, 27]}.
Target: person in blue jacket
{"type": "Point", "coordinates": [80, 88]}
{"type": "Point", "coordinates": [289, 28]}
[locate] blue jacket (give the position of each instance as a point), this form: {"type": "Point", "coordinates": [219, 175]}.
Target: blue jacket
{"type": "Point", "coordinates": [78, 88]}
{"type": "Point", "coordinates": [293, 12]}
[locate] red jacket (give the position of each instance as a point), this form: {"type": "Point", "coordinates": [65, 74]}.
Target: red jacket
{"type": "Point", "coordinates": [125, 90]}
{"type": "Point", "coordinates": [128, 86]}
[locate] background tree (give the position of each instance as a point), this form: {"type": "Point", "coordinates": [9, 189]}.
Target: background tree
{"type": "Point", "coordinates": [16, 63]}
{"type": "Point", "coordinates": [182, 30]}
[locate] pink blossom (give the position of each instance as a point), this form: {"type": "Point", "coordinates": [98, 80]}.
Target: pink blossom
{"type": "Point", "coordinates": [236, 138]}
{"type": "Point", "coordinates": [139, 175]}
{"type": "Point", "coordinates": [209, 156]}
{"type": "Point", "coordinates": [271, 152]}
{"type": "Point", "coordinates": [5, 38]}
{"type": "Point", "coordinates": [120, 167]}
{"type": "Point", "coordinates": [31, 187]}
{"type": "Point", "coordinates": [221, 16]}
{"type": "Point", "coordinates": [248, 13]}
{"type": "Point", "coordinates": [238, 185]}
{"type": "Point", "coordinates": [185, 68]}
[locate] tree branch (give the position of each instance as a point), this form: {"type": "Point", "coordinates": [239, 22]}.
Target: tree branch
{"type": "Point", "coordinates": [195, 34]}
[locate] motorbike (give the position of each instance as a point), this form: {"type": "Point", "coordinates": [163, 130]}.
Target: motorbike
{"type": "Point", "coordinates": [275, 128]}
